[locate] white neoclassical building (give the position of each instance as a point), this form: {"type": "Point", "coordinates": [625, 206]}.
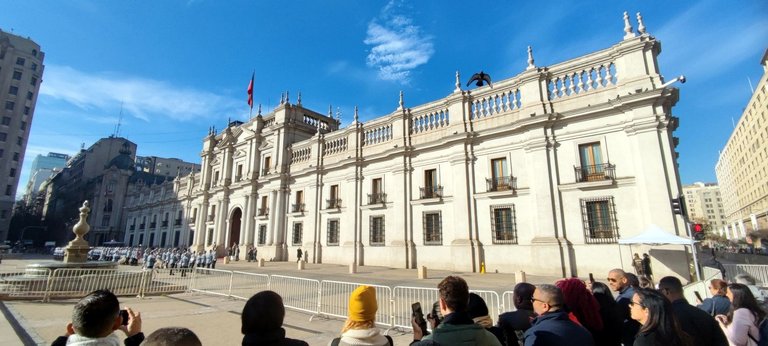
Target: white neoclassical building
{"type": "Point", "coordinates": [543, 172]}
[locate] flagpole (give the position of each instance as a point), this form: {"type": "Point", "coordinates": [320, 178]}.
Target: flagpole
{"type": "Point", "coordinates": [250, 95]}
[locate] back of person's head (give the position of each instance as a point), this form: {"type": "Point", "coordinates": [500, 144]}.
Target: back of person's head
{"type": "Point", "coordinates": [743, 298]}
{"type": "Point", "coordinates": [552, 295]}
{"type": "Point", "coordinates": [601, 288]}
{"type": "Point", "coordinates": [172, 336]}
{"type": "Point", "coordinates": [661, 318]}
{"type": "Point", "coordinates": [632, 280]}
{"type": "Point", "coordinates": [645, 282]}
{"type": "Point", "coordinates": [523, 292]}
{"type": "Point", "coordinates": [476, 306]}
{"type": "Point", "coordinates": [263, 312]}
{"type": "Point", "coordinates": [719, 285]}
{"type": "Point", "coordinates": [671, 285]}
{"type": "Point", "coordinates": [363, 304]}
{"type": "Point", "coordinates": [581, 302]}
{"type": "Point", "coordinates": [94, 316]}
{"type": "Point", "coordinates": [454, 292]}
{"type": "Point", "coordinates": [745, 279]}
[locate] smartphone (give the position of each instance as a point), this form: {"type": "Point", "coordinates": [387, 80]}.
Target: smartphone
{"type": "Point", "coordinates": [124, 316]}
{"type": "Point", "coordinates": [698, 295]}
{"type": "Point", "coordinates": [591, 278]}
{"type": "Point", "coordinates": [418, 313]}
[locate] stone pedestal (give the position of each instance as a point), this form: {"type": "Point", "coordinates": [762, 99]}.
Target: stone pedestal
{"type": "Point", "coordinates": [301, 265]}
{"type": "Point", "coordinates": [261, 262]}
{"type": "Point", "coordinates": [77, 251]}
{"type": "Point", "coordinates": [422, 272]}
{"type": "Point", "coordinates": [352, 268]}
{"type": "Point", "coordinates": [519, 276]}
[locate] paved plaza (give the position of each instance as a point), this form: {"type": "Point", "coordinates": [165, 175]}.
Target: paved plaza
{"type": "Point", "coordinates": [216, 319]}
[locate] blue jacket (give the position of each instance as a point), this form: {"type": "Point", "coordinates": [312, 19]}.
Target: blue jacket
{"type": "Point", "coordinates": [555, 328]}
{"type": "Point", "coordinates": [717, 305]}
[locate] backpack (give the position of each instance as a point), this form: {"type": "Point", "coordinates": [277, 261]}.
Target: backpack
{"type": "Point", "coordinates": [336, 341]}
{"type": "Point", "coordinates": [763, 327]}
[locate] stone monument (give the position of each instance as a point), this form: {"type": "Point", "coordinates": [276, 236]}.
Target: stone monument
{"type": "Point", "coordinates": [77, 249]}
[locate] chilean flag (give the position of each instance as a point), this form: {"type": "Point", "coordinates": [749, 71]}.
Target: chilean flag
{"type": "Point", "coordinates": [250, 91]}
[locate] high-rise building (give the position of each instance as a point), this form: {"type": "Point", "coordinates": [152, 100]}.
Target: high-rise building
{"type": "Point", "coordinates": [167, 167]}
{"type": "Point", "coordinates": [705, 205]}
{"type": "Point", "coordinates": [42, 168]}
{"type": "Point", "coordinates": [21, 71]}
{"type": "Point", "coordinates": [742, 169]}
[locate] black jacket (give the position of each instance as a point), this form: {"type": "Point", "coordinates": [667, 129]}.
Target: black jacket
{"type": "Point", "coordinates": [270, 338]}
{"type": "Point", "coordinates": [513, 323]}
{"type": "Point", "coordinates": [699, 325]}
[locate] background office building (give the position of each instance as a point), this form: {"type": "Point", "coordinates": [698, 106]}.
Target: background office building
{"type": "Point", "coordinates": [21, 70]}
{"type": "Point", "coordinates": [167, 167]}
{"type": "Point", "coordinates": [43, 167]}
{"type": "Point", "coordinates": [705, 205]}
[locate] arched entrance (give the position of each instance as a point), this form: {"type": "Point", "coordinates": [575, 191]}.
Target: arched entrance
{"type": "Point", "coordinates": [234, 227]}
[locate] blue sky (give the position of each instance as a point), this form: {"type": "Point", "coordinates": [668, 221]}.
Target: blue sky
{"type": "Point", "coordinates": [178, 67]}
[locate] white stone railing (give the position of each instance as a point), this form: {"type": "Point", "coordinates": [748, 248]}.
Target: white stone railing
{"type": "Point", "coordinates": [301, 154]}
{"type": "Point", "coordinates": [430, 120]}
{"type": "Point", "coordinates": [314, 122]}
{"type": "Point", "coordinates": [496, 102]}
{"type": "Point", "coordinates": [335, 145]}
{"type": "Point", "coordinates": [580, 76]}
{"type": "Point", "coordinates": [377, 133]}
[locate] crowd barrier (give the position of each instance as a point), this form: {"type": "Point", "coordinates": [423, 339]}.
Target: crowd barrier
{"type": "Point", "coordinates": [759, 272]}
{"type": "Point", "coordinates": [701, 286]}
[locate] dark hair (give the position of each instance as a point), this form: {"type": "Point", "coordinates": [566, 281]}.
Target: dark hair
{"type": "Point", "coordinates": [455, 292]}
{"type": "Point", "coordinates": [661, 318]}
{"type": "Point", "coordinates": [743, 299]}
{"type": "Point", "coordinates": [95, 315]}
{"type": "Point", "coordinates": [263, 312]}
{"type": "Point", "coordinates": [172, 336]}
{"type": "Point", "coordinates": [601, 288]}
{"type": "Point", "coordinates": [476, 306]}
{"type": "Point", "coordinates": [671, 284]}
{"type": "Point", "coordinates": [632, 280]}
{"type": "Point", "coordinates": [523, 292]}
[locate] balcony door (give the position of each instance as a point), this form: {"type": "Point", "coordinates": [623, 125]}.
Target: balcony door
{"type": "Point", "coordinates": [591, 162]}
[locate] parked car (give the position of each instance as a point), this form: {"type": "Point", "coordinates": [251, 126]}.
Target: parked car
{"type": "Point", "coordinates": [58, 253]}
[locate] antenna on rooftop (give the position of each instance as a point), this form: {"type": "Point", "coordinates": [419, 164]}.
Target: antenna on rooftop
{"type": "Point", "coordinates": [119, 121]}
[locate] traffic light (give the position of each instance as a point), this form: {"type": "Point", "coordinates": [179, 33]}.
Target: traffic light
{"type": "Point", "coordinates": [698, 231]}
{"type": "Point", "coordinates": [678, 206]}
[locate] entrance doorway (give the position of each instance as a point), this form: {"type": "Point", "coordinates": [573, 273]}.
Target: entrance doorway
{"type": "Point", "coordinates": [234, 227]}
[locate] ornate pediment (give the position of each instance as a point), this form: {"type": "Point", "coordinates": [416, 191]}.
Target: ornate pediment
{"type": "Point", "coordinates": [266, 144]}
{"type": "Point", "coordinates": [239, 153]}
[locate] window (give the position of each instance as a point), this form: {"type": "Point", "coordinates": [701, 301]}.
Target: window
{"type": "Point", "coordinates": [10, 105]}
{"type": "Point", "coordinates": [500, 178]}
{"type": "Point", "coordinates": [33, 81]}
{"type": "Point", "coordinates": [26, 110]}
{"type": "Point", "coordinates": [239, 173]}
{"type": "Point", "coordinates": [33, 67]}
{"type": "Point", "coordinates": [12, 173]}
{"type": "Point", "coordinates": [20, 61]}
{"type": "Point", "coordinates": [8, 189]}
{"type": "Point", "coordinates": [3, 136]}
{"type": "Point", "coordinates": [334, 201]}
{"type": "Point", "coordinates": [30, 95]}
{"type": "Point", "coordinates": [503, 224]}
{"type": "Point", "coordinates": [333, 232]}
{"type": "Point", "coordinates": [6, 121]}
{"type": "Point", "coordinates": [17, 75]}
{"type": "Point", "coordinates": [209, 241]}
{"type": "Point", "coordinates": [377, 230]}
{"type": "Point", "coordinates": [299, 206]}
{"type": "Point", "coordinates": [431, 189]}
{"type": "Point", "coordinates": [19, 140]}
{"type": "Point", "coordinates": [263, 210]}
{"type": "Point", "coordinates": [105, 221]}
{"type": "Point", "coordinates": [267, 164]}
{"type": "Point", "coordinates": [296, 236]}
{"type": "Point", "coordinates": [15, 156]}
{"type": "Point", "coordinates": [433, 228]}
{"type": "Point", "coordinates": [599, 219]}
{"type": "Point", "coordinates": [23, 125]}
{"type": "Point", "coordinates": [377, 195]}
{"type": "Point", "coordinates": [262, 234]}
{"type": "Point", "coordinates": [13, 90]}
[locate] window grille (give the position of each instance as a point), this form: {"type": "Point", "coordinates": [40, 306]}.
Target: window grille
{"type": "Point", "coordinates": [377, 230]}
{"type": "Point", "coordinates": [262, 234]}
{"type": "Point", "coordinates": [333, 232]}
{"type": "Point", "coordinates": [433, 228]}
{"type": "Point", "coordinates": [297, 230]}
{"type": "Point", "coordinates": [503, 224]}
{"type": "Point", "coordinates": [599, 217]}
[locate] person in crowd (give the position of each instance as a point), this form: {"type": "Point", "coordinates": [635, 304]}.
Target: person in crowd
{"type": "Point", "coordinates": [360, 326]}
{"type": "Point", "coordinates": [619, 281]}
{"type": "Point", "coordinates": [659, 325]}
{"type": "Point", "coordinates": [582, 304]}
{"type": "Point", "coordinates": [478, 312]}
{"type": "Point", "coordinates": [306, 256]}
{"type": "Point", "coordinates": [552, 326]}
{"type": "Point", "coordinates": [96, 317]}
{"type": "Point", "coordinates": [719, 303]}
{"type": "Point", "coordinates": [637, 263]}
{"type": "Point", "coordinates": [610, 314]}
{"type": "Point", "coordinates": [740, 325]}
{"type": "Point", "coordinates": [298, 255]}
{"type": "Point", "coordinates": [184, 263]}
{"type": "Point", "coordinates": [514, 323]}
{"type": "Point", "coordinates": [172, 336]}
{"type": "Point", "coordinates": [647, 272]}
{"type": "Point", "coordinates": [633, 280]}
{"type": "Point", "coordinates": [645, 282]}
{"type": "Point", "coordinates": [262, 321]}
{"type": "Point", "coordinates": [749, 281]}
{"type": "Point", "coordinates": [699, 325]}
{"type": "Point", "coordinates": [457, 328]}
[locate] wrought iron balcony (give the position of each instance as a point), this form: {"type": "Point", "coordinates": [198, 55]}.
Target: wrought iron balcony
{"type": "Point", "coordinates": [132, 227]}
{"type": "Point", "coordinates": [605, 171]}
{"type": "Point", "coordinates": [376, 198]}
{"type": "Point", "coordinates": [505, 183]}
{"type": "Point", "coordinates": [153, 225]}
{"type": "Point", "coordinates": [297, 208]}
{"type": "Point", "coordinates": [177, 222]}
{"type": "Point", "coordinates": [211, 217]}
{"type": "Point", "coordinates": [263, 211]}
{"type": "Point", "coordinates": [192, 219]}
{"type": "Point", "coordinates": [431, 191]}
{"type": "Point", "coordinates": [333, 203]}
{"type": "Point", "coordinates": [141, 226]}
{"type": "Point", "coordinates": [164, 224]}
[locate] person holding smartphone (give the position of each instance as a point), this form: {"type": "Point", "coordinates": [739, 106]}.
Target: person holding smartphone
{"type": "Point", "coordinates": [719, 303]}
{"type": "Point", "coordinates": [96, 317]}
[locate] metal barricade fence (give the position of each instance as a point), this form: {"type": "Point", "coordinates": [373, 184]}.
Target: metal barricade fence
{"type": "Point", "coordinates": [334, 300]}
{"type": "Point", "coordinates": [24, 285]}
{"type": "Point", "coordinates": [298, 293]}
{"type": "Point", "coordinates": [759, 272]}
{"type": "Point", "coordinates": [68, 283]}
{"type": "Point", "coordinates": [493, 302]}
{"type": "Point", "coordinates": [699, 286]}
{"type": "Point", "coordinates": [211, 281]}
{"type": "Point", "coordinates": [710, 272]}
{"type": "Point", "coordinates": [244, 285]}
{"type": "Point", "coordinates": [403, 297]}
{"type": "Point", "coordinates": [507, 302]}
{"type": "Point", "coordinates": [166, 281]}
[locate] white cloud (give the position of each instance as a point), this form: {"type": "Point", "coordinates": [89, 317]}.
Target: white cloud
{"type": "Point", "coordinates": [399, 46]}
{"type": "Point", "coordinates": [142, 98]}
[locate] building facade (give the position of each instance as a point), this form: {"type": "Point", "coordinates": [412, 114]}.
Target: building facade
{"type": "Point", "coordinates": [742, 168]}
{"type": "Point", "coordinates": [21, 71]}
{"type": "Point", "coordinates": [704, 205]}
{"type": "Point", "coordinates": [43, 168]}
{"type": "Point", "coordinates": [168, 167]}
{"type": "Point", "coordinates": [544, 171]}
{"type": "Point", "coordinates": [155, 217]}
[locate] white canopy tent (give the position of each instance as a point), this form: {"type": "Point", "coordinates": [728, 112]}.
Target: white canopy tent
{"type": "Point", "coordinates": [654, 235]}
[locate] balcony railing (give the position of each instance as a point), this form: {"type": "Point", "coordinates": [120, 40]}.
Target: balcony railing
{"type": "Point", "coordinates": [333, 203]}
{"type": "Point", "coordinates": [164, 224]}
{"type": "Point", "coordinates": [141, 226]}
{"type": "Point", "coordinates": [192, 219]}
{"type": "Point", "coordinates": [605, 171]}
{"type": "Point", "coordinates": [505, 183]}
{"type": "Point", "coordinates": [263, 211]}
{"type": "Point", "coordinates": [211, 217]}
{"type": "Point", "coordinates": [153, 225]}
{"type": "Point", "coordinates": [297, 208]}
{"type": "Point", "coordinates": [431, 191]}
{"type": "Point", "coordinates": [376, 198]}
{"type": "Point", "coordinates": [132, 227]}
{"type": "Point", "coordinates": [177, 222]}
